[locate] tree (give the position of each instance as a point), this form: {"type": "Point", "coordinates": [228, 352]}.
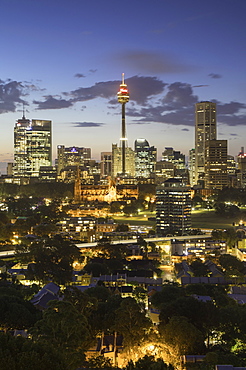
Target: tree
{"type": "Point", "coordinates": [122, 228]}
{"type": "Point", "coordinates": [52, 259]}
{"type": "Point", "coordinates": [140, 294]}
{"type": "Point", "coordinates": [67, 329]}
{"type": "Point", "coordinates": [96, 269]}
{"type": "Point", "coordinates": [229, 235]}
{"type": "Point", "coordinates": [83, 302]}
{"type": "Point", "coordinates": [169, 293]}
{"type": "Point", "coordinates": [15, 312]}
{"type": "Point", "coordinates": [98, 362]}
{"type": "Point", "coordinates": [131, 323]}
{"type": "Point", "coordinates": [108, 250]}
{"type": "Point", "coordinates": [18, 353]}
{"type": "Point", "coordinates": [105, 316]}
{"type": "Point", "coordinates": [232, 266]}
{"type": "Point", "coordinates": [199, 269]}
{"type": "Point", "coordinates": [148, 362]}
{"type": "Point", "coordinates": [181, 337]}
{"type": "Point", "coordinates": [115, 207]}
{"type": "Point", "coordinates": [44, 229]}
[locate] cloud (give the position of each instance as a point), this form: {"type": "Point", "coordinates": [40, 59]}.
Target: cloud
{"type": "Point", "coordinates": [79, 75]}
{"type": "Point", "coordinates": [151, 101]}
{"type": "Point", "coordinates": [87, 124]}
{"type": "Point", "coordinates": [215, 75]}
{"type": "Point", "coordinates": [141, 89]}
{"type": "Point", "coordinates": [176, 107]}
{"type": "Point", "coordinates": [200, 85]}
{"type": "Point", "coordinates": [231, 114]}
{"type": "Point", "coordinates": [52, 103]}
{"type": "Point", "coordinates": [10, 95]}
{"type": "Point", "coordinates": [153, 62]}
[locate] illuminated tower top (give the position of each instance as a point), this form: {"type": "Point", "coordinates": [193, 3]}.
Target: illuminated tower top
{"type": "Point", "coordinates": [123, 94]}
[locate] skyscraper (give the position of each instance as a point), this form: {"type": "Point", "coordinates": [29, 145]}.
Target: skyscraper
{"type": "Point", "coordinates": [173, 208]}
{"type": "Point", "coordinates": [192, 166]}
{"type": "Point", "coordinates": [117, 161]}
{"type": "Point", "coordinates": [145, 158]}
{"type": "Point", "coordinates": [205, 130]}
{"type": "Point", "coordinates": [32, 147]}
{"type": "Point", "coordinates": [106, 164]}
{"type": "Point", "coordinates": [71, 156]}
{"type": "Point", "coordinates": [241, 158]}
{"type": "Point", "coordinates": [21, 166]}
{"type": "Point", "coordinates": [216, 176]}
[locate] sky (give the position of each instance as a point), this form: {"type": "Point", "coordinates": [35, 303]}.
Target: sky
{"type": "Point", "coordinates": [63, 60]}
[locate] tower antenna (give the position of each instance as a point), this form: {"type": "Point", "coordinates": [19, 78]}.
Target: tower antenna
{"type": "Point", "coordinates": [23, 112]}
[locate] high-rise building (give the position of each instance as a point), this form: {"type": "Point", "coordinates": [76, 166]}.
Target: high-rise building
{"type": "Point", "coordinates": [145, 158]}
{"type": "Point", "coordinates": [178, 161]}
{"type": "Point", "coordinates": [192, 166]}
{"type": "Point", "coordinates": [216, 176]}
{"type": "Point", "coordinates": [174, 156]}
{"type": "Point", "coordinates": [106, 164]}
{"type": "Point", "coordinates": [173, 208]}
{"type": "Point", "coordinates": [205, 130]}
{"type": "Point", "coordinates": [241, 158]}
{"type": "Point", "coordinates": [117, 161]}
{"type": "Point", "coordinates": [164, 170]}
{"type": "Point", "coordinates": [71, 156]}
{"type": "Point", "coordinates": [32, 147]}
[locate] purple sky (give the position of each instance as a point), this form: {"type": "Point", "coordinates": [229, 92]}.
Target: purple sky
{"type": "Point", "coordinates": [63, 60]}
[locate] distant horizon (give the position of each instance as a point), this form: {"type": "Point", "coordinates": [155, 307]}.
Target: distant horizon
{"type": "Point", "coordinates": [174, 54]}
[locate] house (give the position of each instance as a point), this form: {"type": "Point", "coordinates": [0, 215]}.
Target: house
{"type": "Point", "coordinates": [49, 292]}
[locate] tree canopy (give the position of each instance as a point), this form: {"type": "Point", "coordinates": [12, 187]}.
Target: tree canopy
{"type": "Point", "coordinates": [52, 259]}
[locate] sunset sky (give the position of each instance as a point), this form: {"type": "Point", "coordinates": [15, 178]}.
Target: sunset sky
{"type": "Point", "coordinates": [63, 60]}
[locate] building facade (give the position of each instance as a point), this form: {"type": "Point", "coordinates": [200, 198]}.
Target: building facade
{"type": "Point", "coordinates": [117, 161]}
{"type": "Point", "coordinates": [205, 130]}
{"type": "Point", "coordinates": [173, 208]}
{"type": "Point", "coordinates": [106, 164]}
{"type": "Point", "coordinates": [145, 158]}
{"type": "Point", "coordinates": [71, 156]}
{"type": "Point", "coordinates": [192, 166]}
{"type": "Point", "coordinates": [216, 176]}
{"type": "Point", "coordinates": [241, 160]}
{"type": "Point", "coordinates": [32, 147]}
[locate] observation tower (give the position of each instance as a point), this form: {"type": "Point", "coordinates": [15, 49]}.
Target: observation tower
{"type": "Point", "coordinates": [123, 98]}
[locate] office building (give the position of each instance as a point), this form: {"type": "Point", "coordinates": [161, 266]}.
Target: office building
{"type": "Point", "coordinates": [173, 208]}
{"type": "Point", "coordinates": [216, 176]}
{"type": "Point", "coordinates": [106, 164]}
{"type": "Point", "coordinates": [145, 158]}
{"type": "Point", "coordinates": [71, 156]}
{"type": "Point", "coordinates": [117, 161]}
{"type": "Point", "coordinates": [241, 159]}
{"type": "Point", "coordinates": [164, 170]}
{"type": "Point", "coordinates": [205, 130]}
{"type": "Point", "coordinates": [175, 157]}
{"type": "Point", "coordinates": [32, 147]}
{"type": "Point", "coordinates": [192, 167]}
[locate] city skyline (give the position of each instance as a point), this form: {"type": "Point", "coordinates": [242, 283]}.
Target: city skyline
{"type": "Point", "coordinates": [64, 61]}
